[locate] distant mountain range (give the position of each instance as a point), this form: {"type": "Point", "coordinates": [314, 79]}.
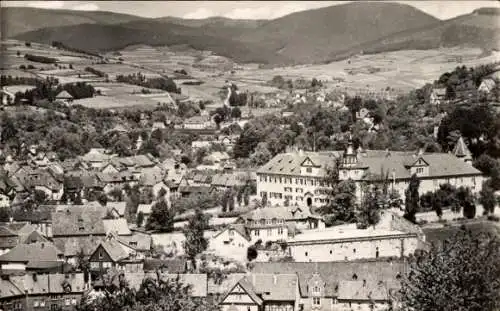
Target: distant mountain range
{"type": "Point", "coordinates": [312, 36]}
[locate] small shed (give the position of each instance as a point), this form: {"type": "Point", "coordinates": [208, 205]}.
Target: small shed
{"type": "Point", "coordinates": [64, 96]}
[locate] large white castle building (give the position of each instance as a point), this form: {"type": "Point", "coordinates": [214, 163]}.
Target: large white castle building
{"type": "Point", "coordinates": [298, 177]}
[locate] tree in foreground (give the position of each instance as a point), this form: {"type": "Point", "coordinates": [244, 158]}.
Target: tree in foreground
{"type": "Point", "coordinates": [369, 212]}
{"type": "Point", "coordinates": [165, 293]}
{"type": "Point", "coordinates": [195, 241]}
{"type": "Point", "coordinates": [487, 198]}
{"type": "Point", "coordinates": [161, 218]}
{"type": "Point", "coordinates": [462, 275]}
{"type": "Point", "coordinates": [412, 199]}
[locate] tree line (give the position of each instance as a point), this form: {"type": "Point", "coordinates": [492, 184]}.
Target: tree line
{"type": "Point", "coordinates": [166, 84]}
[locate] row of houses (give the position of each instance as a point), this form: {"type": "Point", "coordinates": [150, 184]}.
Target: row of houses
{"type": "Point", "coordinates": [364, 285]}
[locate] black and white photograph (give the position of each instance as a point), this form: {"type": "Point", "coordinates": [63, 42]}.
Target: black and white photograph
{"type": "Point", "coordinates": [250, 155]}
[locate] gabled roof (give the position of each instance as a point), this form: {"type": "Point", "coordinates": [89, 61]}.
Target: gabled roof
{"type": "Point", "coordinates": [64, 95]}
{"type": "Point", "coordinates": [488, 83]}
{"type": "Point", "coordinates": [119, 207]}
{"type": "Point", "coordinates": [240, 228]}
{"type": "Point", "coordinates": [440, 164]}
{"type": "Point", "coordinates": [34, 251]}
{"type": "Point", "coordinates": [247, 286]}
{"type": "Point", "coordinates": [115, 250]}
{"type": "Point", "coordinates": [290, 163]}
{"type": "Point", "coordinates": [222, 286]}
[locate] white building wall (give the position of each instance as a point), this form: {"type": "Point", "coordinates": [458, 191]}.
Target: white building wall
{"type": "Point", "coordinates": [293, 187]}
{"type": "Point", "coordinates": [360, 306]}
{"type": "Point", "coordinates": [229, 246]}
{"type": "Point", "coordinates": [268, 234]}
{"type": "Point", "coordinates": [331, 251]}
{"type": "Point", "coordinates": [242, 307]}
{"type": "Point", "coordinates": [14, 266]}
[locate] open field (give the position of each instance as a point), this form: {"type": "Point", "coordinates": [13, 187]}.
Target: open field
{"type": "Point", "coordinates": [403, 70]}
{"type": "Point", "coordinates": [17, 73]}
{"type": "Point", "coordinates": [124, 100]}
{"type": "Point", "coordinates": [18, 88]}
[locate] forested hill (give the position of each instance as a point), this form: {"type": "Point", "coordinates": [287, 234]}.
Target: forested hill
{"type": "Point", "coordinates": [311, 36]}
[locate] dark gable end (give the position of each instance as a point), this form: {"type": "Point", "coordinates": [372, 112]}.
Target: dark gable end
{"type": "Point", "coordinates": [100, 255]}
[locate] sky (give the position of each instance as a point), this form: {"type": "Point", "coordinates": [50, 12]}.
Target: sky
{"type": "Point", "coordinates": [239, 9]}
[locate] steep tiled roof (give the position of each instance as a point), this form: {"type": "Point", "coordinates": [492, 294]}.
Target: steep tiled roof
{"type": "Point", "coordinates": [40, 214]}
{"type": "Point", "coordinates": [115, 250]}
{"type": "Point", "coordinates": [290, 163]}
{"type": "Point", "coordinates": [79, 221]}
{"type": "Point", "coordinates": [9, 289]}
{"type": "Point", "coordinates": [138, 240]}
{"type": "Point", "coordinates": [440, 164]}
{"type": "Point", "coordinates": [118, 226]}
{"type": "Point", "coordinates": [8, 238]}
{"type": "Point", "coordinates": [174, 265]}
{"type": "Point", "coordinates": [73, 245]}
{"type": "Point", "coordinates": [361, 290]}
{"type": "Point", "coordinates": [223, 286]}
{"type": "Point", "coordinates": [34, 251]}
{"type": "Point", "coordinates": [54, 283]}
{"type": "Point", "coordinates": [151, 176]}
{"type": "Point", "coordinates": [275, 286]}
{"type": "Point", "coordinates": [250, 290]}
{"type": "Point", "coordinates": [332, 273]}
{"type": "Point", "coordinates": [194, 189]}
{"type": "Point", "coordinates": [240, 228]}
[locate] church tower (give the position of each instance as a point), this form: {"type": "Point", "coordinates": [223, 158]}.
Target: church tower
{"type": "Point", "coordinates": [350, 156]}
{"type": "Point", "coordinates": [461, 151]}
